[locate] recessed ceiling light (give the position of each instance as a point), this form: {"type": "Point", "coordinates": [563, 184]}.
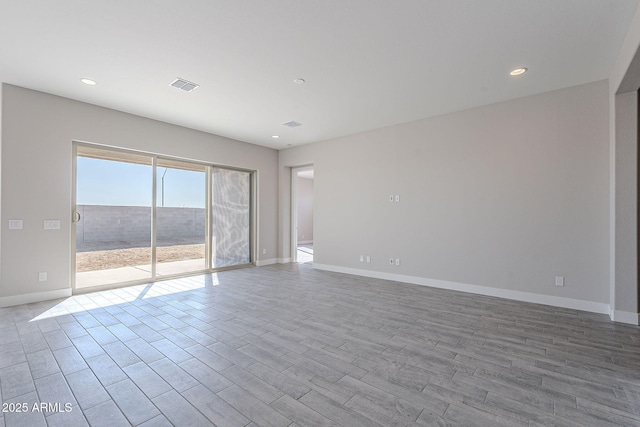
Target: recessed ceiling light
{"type": "Point", "coordinates": [518, 71]}
{"type": "Point", "coordinates": [275, 136]}
{"type": "Point", "coordinates": [299, 81]}
{"type": "Point", "coordinates": [88, 82]}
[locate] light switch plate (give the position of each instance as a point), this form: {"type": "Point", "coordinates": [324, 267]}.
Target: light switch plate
{"type": "Point", "coordinates": [51, 224]}
{"type": "Point", "coordinates": [15, 224]}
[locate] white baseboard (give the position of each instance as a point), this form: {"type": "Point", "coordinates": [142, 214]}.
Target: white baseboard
{"type": "Point", "coordinates": [34, 297]}
{"type": "Point", "coordinates": [624, 317]}
{"type": "Point", "coordinates": [575, 304]}
{"type": "Point", "coordinates": [305, 242]}
{"type": "Point", "coordinates": [271, 261]}
{"type": "Point", "coordinates": [263, 262]}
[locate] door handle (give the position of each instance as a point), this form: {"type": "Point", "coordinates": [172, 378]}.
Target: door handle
{"type": "Point", "coordinates": [76, 216]}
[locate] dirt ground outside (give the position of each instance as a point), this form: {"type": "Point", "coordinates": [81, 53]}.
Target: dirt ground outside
{"type": "Point", "coordinates": [115, 258]}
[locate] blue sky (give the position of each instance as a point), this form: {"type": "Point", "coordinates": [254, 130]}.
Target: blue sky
{"type": "Point", "coordinates": [107, 182]}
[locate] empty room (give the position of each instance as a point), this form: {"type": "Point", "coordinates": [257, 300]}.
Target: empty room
{"type": "Point", "coordinates": [319, 213]}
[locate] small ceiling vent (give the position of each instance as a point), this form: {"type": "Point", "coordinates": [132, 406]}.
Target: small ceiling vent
{"type": "Point", "coordinates": [292, 124]}
{"type": "Point", "coordinates": [184, 85]}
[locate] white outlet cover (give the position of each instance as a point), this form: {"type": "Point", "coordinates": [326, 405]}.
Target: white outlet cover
{"type": "Point", "coordinates": [51, 224]}
{"type": "Point", "coordinates": [391, 198]}
{"type": "Point", "coordinates": [15, 224]}
{"type": "Point", "coordinates": [397, 198]}
{"type": "Point", "coordinates": [397, 261]}
{"type": "Point", "coordinates": [361, 258]}
{"type": "Point", "coordinates": [42, 277]}
{"type": "Point", "coordinates": [368, 259]}
{"type": "Point", "coordinates": [559, 281]}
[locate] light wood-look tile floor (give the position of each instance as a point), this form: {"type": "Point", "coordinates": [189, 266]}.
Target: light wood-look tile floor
{"type": "Point", "coordinates": [290, 346]}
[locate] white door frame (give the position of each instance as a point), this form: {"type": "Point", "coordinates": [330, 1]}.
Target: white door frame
{"type": "Point", "coordinates": [294, 209]}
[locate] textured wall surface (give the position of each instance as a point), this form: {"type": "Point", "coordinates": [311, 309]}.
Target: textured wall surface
{"type": "Point", "coordinates": [506, 196]}
{"type": "Point", "coordinates": [133, 224]}
{"type": "Point", "coordinates": [305, 210]}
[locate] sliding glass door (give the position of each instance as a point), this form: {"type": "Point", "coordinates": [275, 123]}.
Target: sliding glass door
{"type": "Point", "coordinates": [114, 217]}
{"type": "Point", "coordinates": [139, 217]}
{"type": "Point", "coordinates": [181, 218]}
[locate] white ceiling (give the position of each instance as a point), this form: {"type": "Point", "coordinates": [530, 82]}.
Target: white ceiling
{"type": "Point", "coordinates": [367, 63]}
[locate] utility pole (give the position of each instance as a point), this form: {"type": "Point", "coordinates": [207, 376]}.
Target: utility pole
{"type": "Point", "coordinates": [165, 172]}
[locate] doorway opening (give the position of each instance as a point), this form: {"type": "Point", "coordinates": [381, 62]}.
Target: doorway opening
{"type": "Point", "coordinates": [302, 214]}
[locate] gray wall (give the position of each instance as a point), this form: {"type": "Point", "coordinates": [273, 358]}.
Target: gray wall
{"type": "Point", "coordinates": [626, 203]}
{"type": "Point", "coordinates": [305, 210]}
{"type": "Point", "coordinates": [133, 224]}
{"type": "Point", "coordinates": [506, 196]}
{"type": "Point", "coordinates": [624, 82]}
{"type": "Point", "coordinates": [37, 134]}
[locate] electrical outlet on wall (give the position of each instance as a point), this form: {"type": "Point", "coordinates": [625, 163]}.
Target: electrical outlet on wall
{"type": "Point", "coordinates": [264, 251]}
{"type": "Point", "coordinates": [368, 258]}
{"type": "Point", "coordinates": [397, 261]}
{"type": "Point", "coordinates": [42, 277]}
{"type": "Point", "coordinates": [361, 258]}
{"type": "Point", "coordinates": [559, 281]}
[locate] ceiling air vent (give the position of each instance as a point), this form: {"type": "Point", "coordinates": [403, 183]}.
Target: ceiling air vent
{"type": "Point", "coordinates": [184, 85]}
{"type": "Point", "coordinates": [292, 124]}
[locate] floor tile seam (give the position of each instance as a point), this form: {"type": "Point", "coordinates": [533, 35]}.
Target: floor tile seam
{"type": "Point", "coordinates": [365, 415]}
{"type": "Point", "coordinates": [77, 404]}
{"type": "Point", "coordinates": [106, 388]}
{"type": "Point", "coordinates": [619, 412]}
{"type": "Point", "coordinates": [86, 361]}
{"type": "Point", "coordinates": [506, 387]}
{"type": "Point", "coordinates": [70, 390]}
{"type": "Point", "coordinates": [580, 393]}
{"type": "Point", "coordinates": [186, 400]}
{"type": "Point", "coordinates": [248, 391]}
{"type": "Point", "coordinates": [302, 403]}
{"type": "Point", "coordinates": [239, 410]}
{"type": "Point", "coordinates": [594, 379]}
{"type": "Point", "coordinates": [74, 393]}
{"type": "Point", "coordinates": [378, 389]}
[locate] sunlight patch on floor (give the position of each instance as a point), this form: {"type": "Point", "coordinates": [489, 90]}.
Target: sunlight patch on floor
{"type": "Point", "coordinates": [127, 294]}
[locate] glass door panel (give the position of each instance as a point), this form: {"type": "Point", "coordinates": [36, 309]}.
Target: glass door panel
{"type": "Point", "coordinates": [113, 213]}
{"type": "Point", "coordinates": [180, 217]}
{"type": "Point", "coordinates": [231, 214]}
